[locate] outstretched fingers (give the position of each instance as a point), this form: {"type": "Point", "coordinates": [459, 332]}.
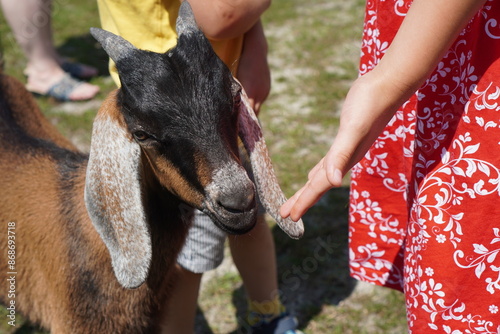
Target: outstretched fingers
{"type": "Point", "coordinates": [321, 179]}
{"type": "Point", "coordinates": [325, 175]}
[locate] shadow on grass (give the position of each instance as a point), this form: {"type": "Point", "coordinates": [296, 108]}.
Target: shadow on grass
{"type": "Point", "coordinates": [22, 326]}
{"type": "Point", "coordinates": [85, 49]}
{"type": "Point", "coordinates": [312, 271]}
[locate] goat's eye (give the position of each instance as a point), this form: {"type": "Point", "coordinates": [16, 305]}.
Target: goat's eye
{"type": "Point", "coordinates": [141, 135]}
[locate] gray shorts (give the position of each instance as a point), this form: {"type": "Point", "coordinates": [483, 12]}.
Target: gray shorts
{"type": "Point", "coordinates": [204, 246]}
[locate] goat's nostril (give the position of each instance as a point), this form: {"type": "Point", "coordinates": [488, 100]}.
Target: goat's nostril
{"type": "Point", "coordinates": [236, 203]}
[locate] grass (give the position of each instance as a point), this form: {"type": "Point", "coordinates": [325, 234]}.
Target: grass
{"type": "Point", "coordinates": [314, 51]}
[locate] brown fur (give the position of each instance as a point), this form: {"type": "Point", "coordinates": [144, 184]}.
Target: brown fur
{"type": "Point", "coordinates": [33, 122]}
{"type": "Point", "coordinates": [176, 183]}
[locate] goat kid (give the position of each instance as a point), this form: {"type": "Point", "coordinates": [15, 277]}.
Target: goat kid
{"type": "Point", "coordinates": [95, 238]}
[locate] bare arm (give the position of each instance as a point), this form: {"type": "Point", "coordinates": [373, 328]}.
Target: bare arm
{"type": "Point", "coordinates": [428, 30]}
{"type": "Point", "coordinates": [253, 70]}
{"type": "Point", "coordinates": [226, 19]}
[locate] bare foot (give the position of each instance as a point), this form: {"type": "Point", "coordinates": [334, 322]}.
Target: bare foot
{"type": "Point", "coordinates": [41, 81]}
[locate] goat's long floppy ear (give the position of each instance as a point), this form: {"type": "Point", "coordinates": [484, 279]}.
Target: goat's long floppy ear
{"type": "Point", "coordinates": [113, 196]}
{"type": "Point", "coordinates": [270, 193]}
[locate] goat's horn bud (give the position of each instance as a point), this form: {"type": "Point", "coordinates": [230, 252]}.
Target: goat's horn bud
{"type": "Point", "coordinates": [185, 21]}
{"type": "Point", "coordinates": [115, 46]}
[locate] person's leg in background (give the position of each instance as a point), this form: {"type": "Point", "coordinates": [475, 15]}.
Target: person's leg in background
{"type": "Point", "coordinates": [254, 256]}
{"type": "Point", "coordinates": [30, 21]}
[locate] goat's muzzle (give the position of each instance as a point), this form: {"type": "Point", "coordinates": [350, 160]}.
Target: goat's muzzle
{"type": "Point", "coordinates": [230, 200]}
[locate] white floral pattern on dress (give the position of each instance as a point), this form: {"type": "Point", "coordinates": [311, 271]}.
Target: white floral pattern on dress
{"type": "Point", "coordinates": [425, 200]}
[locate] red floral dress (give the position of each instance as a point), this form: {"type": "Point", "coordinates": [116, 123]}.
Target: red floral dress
{"type": "Point", "coordinates": [425, 200]}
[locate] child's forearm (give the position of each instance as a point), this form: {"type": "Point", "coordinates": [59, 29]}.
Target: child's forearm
{"type": "Point", "coordinates": [227, 19]}
{"type": "Point", "coordinates": [253, 70]}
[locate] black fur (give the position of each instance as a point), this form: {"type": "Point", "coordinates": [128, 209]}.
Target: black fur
{"type": "Point", "coordinates": [185, 105]}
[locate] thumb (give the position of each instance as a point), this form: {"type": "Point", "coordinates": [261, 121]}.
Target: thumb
{"type": "Point", "coordinates": [327, 174]}
{"type": "Point", "coordinates": [312, 191]}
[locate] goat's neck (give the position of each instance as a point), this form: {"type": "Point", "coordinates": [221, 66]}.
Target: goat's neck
{"type": "Point", "coordinates": [169, 219]}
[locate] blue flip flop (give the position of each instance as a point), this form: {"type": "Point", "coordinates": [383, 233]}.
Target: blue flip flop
{"type": "Point", "coordinates": [62, 89]}
{"type": "Point", "coordinates": [283, 324]}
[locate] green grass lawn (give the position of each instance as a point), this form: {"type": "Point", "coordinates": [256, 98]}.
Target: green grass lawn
{"type": "Point", "coordinates": [314, 51]}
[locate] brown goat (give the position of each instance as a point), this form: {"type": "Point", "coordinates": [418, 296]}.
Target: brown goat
{"type": "Point", "coordinates": [92, 240]}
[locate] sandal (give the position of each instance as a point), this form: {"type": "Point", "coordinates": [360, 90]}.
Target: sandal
{"type": "Point", "coordinates": [77, 70]}
{"type": "Point", "coordinates": [284, 324]}
{"type": "Point", "coordinates": [62, 89]}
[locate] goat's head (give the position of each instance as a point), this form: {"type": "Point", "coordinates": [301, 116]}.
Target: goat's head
{"type": "Point", "coordinates": [180, 113]}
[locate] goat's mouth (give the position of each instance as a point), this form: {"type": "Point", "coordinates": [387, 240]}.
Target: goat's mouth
{"type": "Point", "coordinates": [230, 199]}
{"type": "Point", "coordinates": [230, 220]}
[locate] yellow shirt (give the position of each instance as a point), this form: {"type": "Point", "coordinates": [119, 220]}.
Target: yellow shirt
{"type": "Point", "coordinates": [150, 25]}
